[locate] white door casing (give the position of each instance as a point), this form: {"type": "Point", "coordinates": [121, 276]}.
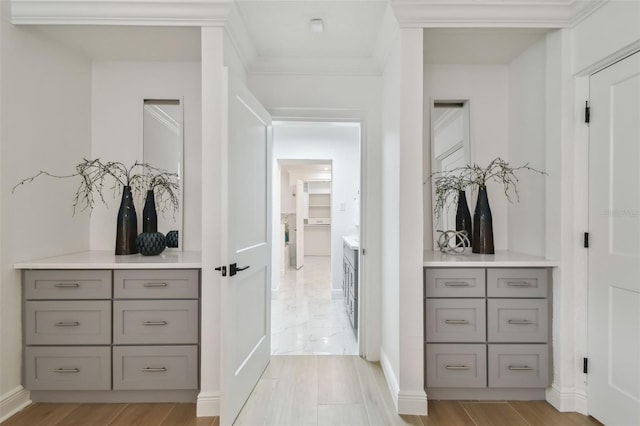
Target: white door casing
{"type": "Point", "coordinates": [614, 252]}
{"type": "Point", "coordinates": [300, 216]}
{"type": "Point", "coordinates": [246, 241]}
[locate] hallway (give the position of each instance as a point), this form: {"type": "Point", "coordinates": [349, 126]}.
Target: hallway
{"type": "Point", "coordinates": [305, 320]}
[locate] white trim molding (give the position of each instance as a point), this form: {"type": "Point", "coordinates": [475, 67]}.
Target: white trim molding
{"type": "Point", "coordinates": [128, 12]}
{"type": "Point", "coordinates": [506, 13]}
{"type": "Point", "coordinates": [412, 403]}
{"type": "Point", "coordinates": [392, 382]}
{"type": "Point", "coordinates": [567, 399]}
{"type": "Point", "coordinates": [13, 401]}
{"type": "Point", "coordinates": [208, 404]}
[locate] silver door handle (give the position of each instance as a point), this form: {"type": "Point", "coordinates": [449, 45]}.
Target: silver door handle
{"type": "Point", "coordinates": [154, 323]}
{"type": "Point", "coordinates": [456, 321]}
{"type": "Point", "coordinates": [520, 368]}
{"type": "Point", "coordinates": [519, 321]}
{"type": "Point", "coordinates": [154, 369]}
{"type": "Point", "coordinates": [155, 285]}
{"type": "Point", "coordinates": [457, 367]}
{"type": "Point", "coordinates": [67, 370]}
{"type": "Point", "coordinates": [456, 284]}
{"type": "Point", "coordinates": [67, 324]}
{"type": "Point", "coordinates": [67, 285]}
{"type": "Point", "coordinates": [518, 284]}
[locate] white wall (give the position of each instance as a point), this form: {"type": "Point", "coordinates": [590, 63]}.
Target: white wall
{"type": "Point", "coordinates": [340, 145]}
{"type": "Point", "coordinates": [526, 144]}
{"type": "Point", "coordinates": [46, 120]}
{"type": "Point", "coordinates": [342, 97]}
{"type": "Point", "coordinates": [118, 90]}
{"type": "Point", "coordinates": [487, 89]}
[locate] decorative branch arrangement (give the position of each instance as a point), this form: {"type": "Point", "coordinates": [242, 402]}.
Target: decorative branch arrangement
{"type": "Point", "coordinates": [95, 176]}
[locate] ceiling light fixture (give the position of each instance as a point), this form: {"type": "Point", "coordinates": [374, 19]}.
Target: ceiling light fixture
{"type": "Point", "coordinates": [316, 25]}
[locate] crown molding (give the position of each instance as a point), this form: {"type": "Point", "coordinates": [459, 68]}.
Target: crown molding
{"type": "Point", "coordinates": [490, 13]}
{"type": "Point", "coordinates": [128, 12]}
{"type": "Point", "coordinates": [236, 30]}
{"type": "Point", "coordinates": [315, 66]}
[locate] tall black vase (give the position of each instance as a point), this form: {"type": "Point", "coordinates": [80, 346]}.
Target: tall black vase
{"type": "Point", "coordinates": [149, 214]}
{"type": "Point", "coordinates": [482, 225]}
{"type": "Point", "coordinates": [126, 225]}
{"type": "Point", "coordinates": [463, 217]}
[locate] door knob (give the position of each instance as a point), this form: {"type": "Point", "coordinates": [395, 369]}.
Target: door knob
{"type": "Point", "coordinates": [234, 268]}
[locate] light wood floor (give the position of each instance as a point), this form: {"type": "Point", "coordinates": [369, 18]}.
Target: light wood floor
{"type": "Point", "coordinates": [309, 390]}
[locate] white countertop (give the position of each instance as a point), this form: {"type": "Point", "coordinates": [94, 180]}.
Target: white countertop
{"type": "Point", "coordinates": [502, 259]}
{"type": "Point", "coordinates": [107, 260]}
{"type": "Point", "coordinates": [352, 241]}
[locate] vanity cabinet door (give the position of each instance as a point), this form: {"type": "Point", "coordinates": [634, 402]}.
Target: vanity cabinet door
{"type": "Point", "coordinates": [456, 365]}
{"type": "Point", "coordinates": [517, 320]}
{"type": "Point", "coordinates": [518, 366]}
{"type": "Point", "coordinates": [67, 284]}
{"type": "Point", "coordinates": [455, 320]}
{"type": "Point", "coordinates": [155, 367]}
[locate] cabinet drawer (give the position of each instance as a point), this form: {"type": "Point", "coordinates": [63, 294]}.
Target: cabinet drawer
{"type": "Point", "coordinates": [68, 322]}
{"type": "Point", "coordinates": [67, 284]}
{"type": "Point", "coordinates": [517, 320]}
{"type": "Point", "coordinates": [455, 320]}
{"type": "Point", "coordinates": [517, 282]}
{"type": "Point", "coordinates": [68, 368]}
{"type": "Point", "coordinates": [518, 366]}
{"type": "Point", "coordinates": [453, 365]}
{"type": "Point", "coordinates": [158, 367]}
{"type": "Point", "coordinates": [155, 321]}
{"type": "Point", "coordinates": [454, 282]}
{"type": "Point", "coordinates": [156, 284]}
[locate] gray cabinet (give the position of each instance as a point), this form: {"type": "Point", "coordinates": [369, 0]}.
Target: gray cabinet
{"type": "Point", "coordinates": [350, 283]}
{"type": "Point", "coordinates": [104, 330]}
{"type": "Point", "coordinates": [486, 328]}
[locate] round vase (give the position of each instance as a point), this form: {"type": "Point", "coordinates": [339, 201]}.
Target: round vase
{"type": "Point", "coordinates": [172, 239]}
{"type": "Point", "coordinates": [463, 217]}
{"type": "Point", "coordinates": [126, 225]}
{"type": "Point", "coordinates": [149, 214]}
{"type": "Point", "coordinates": [151, 243]}
{"type": "Point", "coordinates": [482, 225]}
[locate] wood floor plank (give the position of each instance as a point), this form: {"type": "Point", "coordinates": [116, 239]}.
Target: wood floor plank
{"type": "Point", "coordinates": [493, 414]}
{"type": "Point", "coordinates": [256, 410]}
{"type": "Point", "coordinates": [40, 414]}
{"type": "Point", "coordinates": [100, 414]}
{"type": "Point", "coordinates": [185, 415]}
{"type": "Point", "coordinates": [295, 400]}
{"type": "Point", "coordinates": [338, 381]}
{"type": "Point", "coordinates": [446, 413]}
{"type": "Point", "coordinates": [142, 415]}
{"type": "Point", "coordinates": [541, 413]}
{"type": "Point", "coordinates": [342, 415]}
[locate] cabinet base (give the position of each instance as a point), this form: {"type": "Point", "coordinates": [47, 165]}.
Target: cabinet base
{"type": "Point", "coordinates": [115, 396]}
{"type": "Point", "coordinates": [486, 394]}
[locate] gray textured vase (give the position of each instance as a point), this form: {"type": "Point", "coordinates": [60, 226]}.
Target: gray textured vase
{"type": "Point", "coordinates": [151, 243]}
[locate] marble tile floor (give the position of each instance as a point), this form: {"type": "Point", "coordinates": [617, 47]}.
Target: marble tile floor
{"type": "Point", "coordinates": [305, 320]}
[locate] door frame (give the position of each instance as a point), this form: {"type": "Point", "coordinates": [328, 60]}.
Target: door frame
{"type": "Point", "coordinates": [365, 295]}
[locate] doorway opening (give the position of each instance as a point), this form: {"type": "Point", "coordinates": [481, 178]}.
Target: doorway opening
{"type": "Point", "coordinates": [316, 211]}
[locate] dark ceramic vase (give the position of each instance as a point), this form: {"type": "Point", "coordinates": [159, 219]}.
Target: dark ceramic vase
{"type": "Point", "coordinates": [463, 217]}
{"type": "Point", "coordinates": [482, 225]}
{"type": "Point", "coordinates": [172, 239]}
{"type": "Point", "coordinates": [149, 214]}
{"type": "Point", "coordinates": [151, 243]}
{"type": "Point", "coordinates": [126, 225]}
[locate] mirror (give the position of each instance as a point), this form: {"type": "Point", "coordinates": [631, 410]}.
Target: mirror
{"type": "Point", "coordinates": [162, 137]}
{"type": "Point", "coordinates": [450, 148]}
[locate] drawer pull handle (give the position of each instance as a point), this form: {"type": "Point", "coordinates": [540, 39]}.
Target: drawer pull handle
{"type": "Point", "coordinates": [154, 323]}
{"type": "Point", "coordinates": [456, 284]}
{"type": "Point", "coordinates": [67, 370]}
{"type": "Point", "coordinates": [152, 285]}
{"type": "Point", "coordinates": [520, 368]}
{"type": "Point", "coordinates": [67, 285]}
{"type": "Point", "coordinates": [519, 321]}
{"type": "Point", "coordinates": [67, 324]}
{"type": "Point", "coordinates": [457, 367]}
{"type": "Point", "coordinates": [518, 284]}
{"type": "Point", "coordinates": [456, 321]}
{"type": "Point", "coordinates": [154, 369]}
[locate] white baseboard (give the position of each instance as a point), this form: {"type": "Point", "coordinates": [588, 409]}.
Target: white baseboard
{"type": "Point", "coordinates": [208, 404]}
{"type": "Point", "coordinates": [13, 401]}
{"type": "Point", "coordinates": [389, 375]}
{"type": "Point", "coordinates": [567, 399]}
{"type": "Point", "coordinates": [412, 403]}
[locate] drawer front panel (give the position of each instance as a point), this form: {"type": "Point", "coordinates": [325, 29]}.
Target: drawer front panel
{"type": "Point", "coordinates": [68, 368]}
{"type": "Point", "coordinates": [156, 284]}
{"type": "Point", "coordinates": [456, 366]}
{"type": "Point", "coordinates": [454, 282]}
{"type": "Point", "coordinates": [455, 320]}
{"type": "Point", "coordinates": [518, 366]}
{"type": "Point", "coordinates": [517, 320]}
{"type": "Point", "coordinates": [67, 284]}
{"type": "Point", "coordinates": [159, 367]}
{"type": "Point", "coordinates": [517, 282]}
{"type": "Point", "coordinates": [68, 323]}
{"type": "Point", "coordinates": [155, 321]}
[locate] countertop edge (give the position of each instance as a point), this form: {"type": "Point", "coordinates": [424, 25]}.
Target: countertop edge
{"type": "Point", "coordinates": [502, 259]}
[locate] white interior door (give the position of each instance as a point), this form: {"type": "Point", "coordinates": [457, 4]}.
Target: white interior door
{"type": "Point", "coordinates": [614, 253]}
{"type": "Point", "coordinates": [300, 215]}
{"type": "Point", "coordinates": [246, 243]}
